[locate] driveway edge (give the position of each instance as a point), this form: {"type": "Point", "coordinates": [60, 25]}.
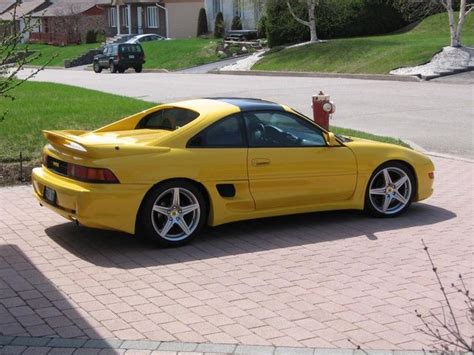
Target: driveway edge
{"type": "Point", "coordinates": [8, 344]}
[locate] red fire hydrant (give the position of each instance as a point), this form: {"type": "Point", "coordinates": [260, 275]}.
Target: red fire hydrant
{"type": "Point", "coordinates": [323, 108]}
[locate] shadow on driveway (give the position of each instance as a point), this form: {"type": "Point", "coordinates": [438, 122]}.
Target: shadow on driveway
{"type": "Point", "coordinates": [34, 311]}
{"type": "Point", "coordinates": [114, 249]}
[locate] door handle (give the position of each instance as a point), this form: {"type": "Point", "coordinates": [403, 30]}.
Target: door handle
{"type": "Point", "coordinates": [260, 162]}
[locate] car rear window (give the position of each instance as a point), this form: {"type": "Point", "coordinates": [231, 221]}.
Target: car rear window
{"type": "Point", "coordinates": [169, 119]}
{"type": "Point", "coordinates": [130, 48]}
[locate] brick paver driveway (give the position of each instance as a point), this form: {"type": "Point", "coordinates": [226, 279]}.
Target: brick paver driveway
{"type": "Point", "coordinates": [312, 280]}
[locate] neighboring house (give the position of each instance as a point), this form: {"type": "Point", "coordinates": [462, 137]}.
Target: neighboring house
{"type": "Point", "coordinates": [249, 12]}
{"type": "Point", "coordinates": [20, 15]}
{"type": "Point", "coordinates": [167, 18]}
{"type": "Point", "coordinates": [66, 22]}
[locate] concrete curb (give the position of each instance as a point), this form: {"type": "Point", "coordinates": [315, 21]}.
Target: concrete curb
{"type": "Point", "coordinates": [419, 148]}
{"type": "Point", "coordinates": [8, 344]}
{"type": "Point", "coordinates": [318, 75]}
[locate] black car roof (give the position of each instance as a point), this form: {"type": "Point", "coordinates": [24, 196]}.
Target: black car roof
{"type": "Point", "coordinates": [250, 104]}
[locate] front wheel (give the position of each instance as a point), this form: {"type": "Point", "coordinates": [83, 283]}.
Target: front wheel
{"type": "Point", "coordinates": [172, 214]}
{"type": "Point", "coordinates": [138, 69]}
{"type": "Point", "coordinates": [97, 67]}
{"type": "Point", "coordinates": [390, 190]}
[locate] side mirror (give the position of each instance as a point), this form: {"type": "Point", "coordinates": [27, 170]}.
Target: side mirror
{"type": "Point", "coordinates": [331, 140]}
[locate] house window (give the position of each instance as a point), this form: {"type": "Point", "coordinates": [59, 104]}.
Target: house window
{"type": "Point", "coordinates": [216, 6]}
{"type": "Point", "coordinates": [125, 16]}
{"type": "Point", "coordinates": [112, 17]}
{"type": "Point", "coordinates": [238, 8]}
{"type": "Point", "coordinates": [152, 16]}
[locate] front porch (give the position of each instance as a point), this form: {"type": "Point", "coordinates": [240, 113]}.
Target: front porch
{"type": "Point", "coordinates": [136, 18]}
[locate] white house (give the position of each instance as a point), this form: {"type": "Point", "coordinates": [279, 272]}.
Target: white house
{"type": "Point", "coordinates": [249, 12]}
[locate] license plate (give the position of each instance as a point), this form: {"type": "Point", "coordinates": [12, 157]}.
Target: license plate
{"type": "Point", "coordinates": [49, 195]}
{"type": "Point", "coordinates": [131, 56]}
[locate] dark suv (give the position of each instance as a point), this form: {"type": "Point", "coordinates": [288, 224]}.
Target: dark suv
{"type": "Point", "coordinates": [120, 57]}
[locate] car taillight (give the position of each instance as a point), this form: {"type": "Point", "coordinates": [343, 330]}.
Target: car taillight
{"type": "Point", "coordinates": [95, 175]}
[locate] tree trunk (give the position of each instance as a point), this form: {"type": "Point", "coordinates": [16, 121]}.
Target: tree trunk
{"type": "Point", "coordinates": [312, 20]}
{"type": "Point", "coordinates": [452, 25]}
{"type": "Point", "coordinates": [462, 16]}
{"type": "Point", "coordinates": [311, 23]}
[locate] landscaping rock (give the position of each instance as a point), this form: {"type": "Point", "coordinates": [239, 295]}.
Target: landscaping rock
{"type": "Point", "coordinates": [449, 61]}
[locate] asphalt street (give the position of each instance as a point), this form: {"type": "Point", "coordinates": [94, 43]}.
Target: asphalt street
{"type": "Point", "coordinates": [435, 115]}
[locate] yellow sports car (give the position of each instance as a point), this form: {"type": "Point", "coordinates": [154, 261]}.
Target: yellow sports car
{"type": "Point", "coordinates": [169, 171]}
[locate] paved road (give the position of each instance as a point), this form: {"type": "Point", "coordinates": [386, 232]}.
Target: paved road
{"type": "Point", "coordinates": [435, 115]}
{"type": "Point", "coordinates": [311, 280]}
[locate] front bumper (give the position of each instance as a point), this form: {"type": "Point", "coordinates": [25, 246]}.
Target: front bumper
{"type": "Point", "coordinates": [104, 206]}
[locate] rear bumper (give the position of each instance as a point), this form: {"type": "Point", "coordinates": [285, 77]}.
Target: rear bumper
{"type": "Point", "coordinates": [104, 206]}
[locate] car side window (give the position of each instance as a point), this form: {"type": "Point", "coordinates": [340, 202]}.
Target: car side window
{"type": "Point", "coordinates": [169, 119]}
{"type": "Point", "coordinates": [281, 129]}
{"type": "Point", "coordinates": [226, 133]}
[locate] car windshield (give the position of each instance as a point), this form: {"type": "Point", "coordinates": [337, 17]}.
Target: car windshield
{"type": "Point", "coordinates": [130, 48]}
{"type": "Point", "coordinates": [169, 119]}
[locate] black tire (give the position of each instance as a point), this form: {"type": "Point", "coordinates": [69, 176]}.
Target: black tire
{"type": "Point", "coordinates": [121, 70]}
{"type": "Point", "coordinates": [112, 68]}
{"type": "Point", "coordinates": [150, 221]}
{"type": "Point", "coordinates": [97, 67]}
{"type": "Point", "coordinates": [386, 200]}
{"type": "Point", "coordinates": [138, 69]}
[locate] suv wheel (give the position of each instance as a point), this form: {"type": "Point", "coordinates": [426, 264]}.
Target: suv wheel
{"type": "Point", "coordinates": [121, 70]}
{"type": "Point", "coordinates": [138, 68]}
{"type": "Point", "coordinates": [97, 67]}
{"type": "Point", "coordinates": [113, 67]}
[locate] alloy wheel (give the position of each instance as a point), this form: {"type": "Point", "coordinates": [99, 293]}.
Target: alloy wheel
{"type": "Point", "coordinates": [390, 190]}
{"type": "Point", "coordinates": [175, 214]}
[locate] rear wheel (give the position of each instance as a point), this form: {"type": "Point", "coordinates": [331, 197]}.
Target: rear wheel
{"type": "Point", "coordinates": [112, 68]}
{"type": "Point", "coordinates": [97, 67]}
{"type": "Point", "coordinates": [138, 68]}
{"type": "Point", "coordinates": [390, 190]}
{"type": "Point", "coordinates": [121, 70]}
{"type": "Point", "coordinates": [172, 213]}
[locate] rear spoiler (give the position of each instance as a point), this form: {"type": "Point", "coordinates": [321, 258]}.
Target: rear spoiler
{"type": "Point", "coordinates": [71, 142]}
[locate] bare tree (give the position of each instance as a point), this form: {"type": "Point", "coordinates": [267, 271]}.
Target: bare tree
{"type": "Point", "coordinates": [311, 23]}
{"type": "Point", "coordinates": [67, 19]}
{"type": "Point", "coordinates": [14, 55]}
{"type": "Point", "coordinates": [416, 10]}
{"type": "Point", "coordinates": [455, 28]}
{"type": "Point", "coordinates": [445, 329]}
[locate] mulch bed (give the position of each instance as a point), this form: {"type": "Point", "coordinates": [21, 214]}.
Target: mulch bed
{"type": "Point", "coordinates": [10, 173]}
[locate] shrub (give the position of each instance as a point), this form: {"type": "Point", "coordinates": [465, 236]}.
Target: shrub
{"type": "Point", "coordinates": [236, 23]}
{"type": "Point", "coordinates": [281, 28]}
{"type": "Point", "coordinates": [262, 27]}
{"type": "Point", "coordinates": [334, 19]}
{"type": "Point", "coordinates": [219, 29]}
{"type": "Point", "coordinates": [202, 28]}
{"type": "Point", "coordinates": [100, 38]}
{"type": "Point", "coordinates": [91, 36]}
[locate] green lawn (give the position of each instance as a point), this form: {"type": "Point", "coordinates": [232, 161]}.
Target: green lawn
{"type": "Point", "coordinates": [371, 55]}
{"type": "Point", "coordinates": [59, 53]}
{"type": "Point", "coordinates": [41, 106]}
{"type": "Point", "coordinates": [171, 55]}
{"type": "Point", "coordinates": [359, 134]}
{"type": "Point", "coordinates": [179, 53]}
